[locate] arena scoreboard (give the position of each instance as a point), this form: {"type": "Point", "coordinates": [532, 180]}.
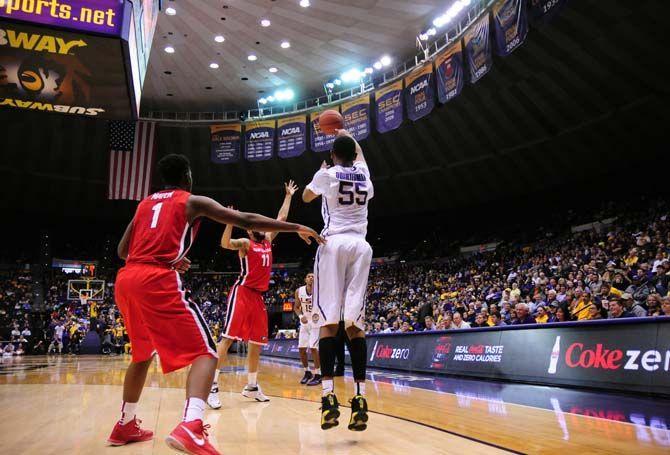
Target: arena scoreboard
{"type": "Point", "coordinates": [75, 56]}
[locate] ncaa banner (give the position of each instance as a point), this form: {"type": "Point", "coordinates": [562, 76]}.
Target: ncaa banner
{"type": "Point", "coordinates": [545, 10]}
{"type": "Point", "coordinates": [356, 115]}
{"type": "Point", "coordinates": [419, 92]}
{"type": "Point", "coordinates": [449, 66]}
{"type": "Point", "coordinates": [320, 141]}
{"type": "Point", "coordinates": [388, 107]}
{"type": "Point", "coordinates": [478, 49]}
{"type": "Point", "coordinates": [291, 136]}
{"type": "Point", "coordinates": [511, 25]}
{"type": "Point", "coordinates": [259, 139]}
{"type": "Point", "coordinates": [225, 143]}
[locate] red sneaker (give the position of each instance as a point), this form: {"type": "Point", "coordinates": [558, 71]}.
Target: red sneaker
{"type": "Point", "coordinates": [191, 437]}
{"type": "Point", "coordinates": [130, 432]}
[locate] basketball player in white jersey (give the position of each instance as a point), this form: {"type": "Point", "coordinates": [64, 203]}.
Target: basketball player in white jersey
{"type": "Point", "coordinates": [341, 269]}
{"type": "Point", "coordinates": [309, 331]}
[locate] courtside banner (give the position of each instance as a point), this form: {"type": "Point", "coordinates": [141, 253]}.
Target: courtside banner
{"type": "Point", "coordinates": [388, 105]}
{"type": "Point", "coordinates": [478, 49]}
{"type": "Point", "coordinates": [291, 136]}
{"type": "Point", "coordinates": [510, 24]}
{"type": "Point", "coordinates": [544, 10]}
{"type": "Point", "coordinates": [419, 92]}
{"type": "Point", "coordinates": [356, 115]}
{"type": "Point", "coordinates": [225, 142]}
{"type": "Point", "coordinates": [259, 140]}
{"type": "Point", "coordinates": [449, 70]}
{"type": "Point", "coordinates": [630, 355]}
{"type": "Point", "coordinates": [99, 16]}
{"type": "Point", "coordinates": [51, 70]}
{"type": "Point", "coordinates": [320, 141]}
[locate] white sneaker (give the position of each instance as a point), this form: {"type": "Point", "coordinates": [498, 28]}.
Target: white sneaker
{"type": "Point", "coordinates": [254, 392]}
{"type": "Point", "coordinates": [213, 398]}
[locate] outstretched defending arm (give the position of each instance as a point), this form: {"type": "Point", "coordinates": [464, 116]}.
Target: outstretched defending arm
{"type": "Point", "coordinates": [198, 206]}
{"type": "Point", "coordinates": [233, 244]}
{"type": "Point", "coordinates": [290, 188]}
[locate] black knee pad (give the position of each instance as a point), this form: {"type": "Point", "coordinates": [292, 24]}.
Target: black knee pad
{"type": "Point", "coordinates": [359, 353]}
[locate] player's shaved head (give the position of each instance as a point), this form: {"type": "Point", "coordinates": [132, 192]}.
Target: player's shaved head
{"type": "Point", "coordinates": [344, 149]}
{"type": "Point", "coordinates": [175, 170]}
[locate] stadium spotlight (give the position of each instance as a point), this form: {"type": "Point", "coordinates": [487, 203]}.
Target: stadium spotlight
{"type": "Point", "coordinates": [169, 49]}
{"type": "Point", "coordinates": [252, 58]}
{"type": "Point", "coordinates": [337, 82]}
{"type": "Point", "coordinates": [273, 69]}
{"type": "Point", "coordinates": [219, 39]}
{"type": "Point", "coordinates": [431, 31]}
{"type": "Point", "coordinates": [353, 75]}
{"type": "Point", "coordinates": [170, 11]}
{"type": "Point", "coordinates": [330, 85]}
{"type": "Point", "coordinates": [214, 65]}
{"type": "Point", "coordinates": [368, 70]}
{"type": "Point", "coordinates": [265, 22]}
{"type": "Point", "coordinates": [385, 60]}
{"type": "Point", "coordinates": [377, 65]}
{"type": "Point", "coordinates": [285, 44]}
{"type": "Point", "coordinates": [304, 3]}
{"type": "Point", "coordinates": [271, 99]}
{"type": "Point", "coordinates": [262, 101]}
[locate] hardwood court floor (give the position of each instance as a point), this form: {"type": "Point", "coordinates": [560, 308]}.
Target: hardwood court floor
{"type": "Point", "coordinates": [69, 405]}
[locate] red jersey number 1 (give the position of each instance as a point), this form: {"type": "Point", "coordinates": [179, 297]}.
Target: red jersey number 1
{"type": "Point", "coordinates": [157, 212]}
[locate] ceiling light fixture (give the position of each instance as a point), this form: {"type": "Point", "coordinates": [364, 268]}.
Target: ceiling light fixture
{"type": "Point", "coordinates": [304, 3]}
{"type": "Point", "coordinates": [170, 11]}
{"type": "Point", "coordinates": [285, 44]}
{"type": "Point", "coordinates": [265, 22]}
{"type": "Point", "coordinates": [385, 60]}
{"type": "Point", "coordinates": [169, 49]}
{"type": "Point", "coordinates": [368, 70]}
{"type": "Point", "coordinates": [273, 69]}
{"type": "Point", "coordinates": [214, 65]}
{"type": "Point", "coordinates": [353, 75]}
{"type": "Point", "coordinates": [252, 58]}
{"type": "Point", "coordinates": [377, 65]}
{"type": "Point", "coordinates": [219, 39]}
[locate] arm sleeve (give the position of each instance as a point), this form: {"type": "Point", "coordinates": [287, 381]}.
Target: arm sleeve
{"type": "Point", "coordinates": [320, 184]}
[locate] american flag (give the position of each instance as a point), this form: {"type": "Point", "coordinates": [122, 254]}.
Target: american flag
{"type": "Point", "coordinates": [131, 152]}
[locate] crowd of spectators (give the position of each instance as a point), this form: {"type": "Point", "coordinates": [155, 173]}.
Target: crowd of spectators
{"type": "Point", "coordinates": [617, 269]}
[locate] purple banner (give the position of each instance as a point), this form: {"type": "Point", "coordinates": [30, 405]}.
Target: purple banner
{"type": "Point", "coordinates": [478, 49]}
{"type": "Point", "coordinates": [388, 105]}
{"type": "Point", "coordinates": [449, 69]}
{"type": "Point", "coordinates": [320, 141]}
{"type": "Point", "coordinates": [545, 10]}
{"type": "Point", "coordinates": [225, 143]}
{"type": "Point", "coordinates": [100, 16]}
{"type": "Point", "coordinates": [419, 92]}
{"type": "Point", "coordinates": [259, 140]}
{"type": "Point", "coordinates": [510, 25]}
{"type": "Point", "coordinates": [356, 115]}
{"type": "Point", "coordinates": [291, 136]}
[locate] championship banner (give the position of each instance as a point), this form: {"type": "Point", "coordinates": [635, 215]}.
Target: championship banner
{"type": "Point", "coordinates": [291, 136]}
{"type": "Point", "coordinates": [545, 10]}
{"type": "Point", "coordinates": [388, 106]}
{"type": "Point", "coordinates": [225, 143]}
{"type": "Point", "coordinates": [449, 69]}
{"type": "Point", "coordinates": [56, 71]}
{"type": "Point", "coordinates": [478, 49]}
{"type": "Point", "coordinates": [419, 92]}
{"type": "Point", "coordinates": [511, 25]}
{"type": "Point", "coordinates": [320, 142]}
{"type": "Point", "coordinates": [356, 115]}
{"type": "Point", "coordinates": [259, 140]}
{"type": "Point", "coordinates": [99, 16]}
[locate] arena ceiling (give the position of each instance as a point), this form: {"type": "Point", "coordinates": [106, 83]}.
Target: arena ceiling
{"type": "Point", "coordinates": [326, 38]}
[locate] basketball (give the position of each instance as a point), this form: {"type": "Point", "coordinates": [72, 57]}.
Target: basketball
{"type": "Point", "coordinates": [331, 120]}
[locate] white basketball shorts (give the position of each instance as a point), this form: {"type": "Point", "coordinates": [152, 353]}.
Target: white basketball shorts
{"type": "Point", "coordinates": [308, 337]}
{"type": "Point", "coordinates": [341, 270]}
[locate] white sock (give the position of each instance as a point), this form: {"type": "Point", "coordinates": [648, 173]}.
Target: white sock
{"type": "Point", "coordinates": [318, 371]}
{"type": "Point", "coordinates": [252, 378]}
{"type": "Point", "coordinates": [128, 412]}
{"type": "Point", "coordinates": [194, 409]}
{"type": "Point", "coordinates": [360, 388]}
{"type": "Point", "coordinates": [311, 370]}
{"type": "Point", "coordinates": [327, 385]}
{"type": "Point", "coordinates": [306, 369]}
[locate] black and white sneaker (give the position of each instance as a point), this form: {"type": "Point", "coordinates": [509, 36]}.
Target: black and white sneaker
{"type": "Point", "coordinates": [254, 392]}
{"type": "Point", "coordinates": [316, 380]}
{"type": "Point", "coordinates": [306, 377]}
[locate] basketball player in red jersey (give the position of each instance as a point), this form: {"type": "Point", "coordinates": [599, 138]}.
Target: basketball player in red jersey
{"type": "Point", "coordinates": [158, 317]}
{"type": "Point", "coordinates": [246, 315]}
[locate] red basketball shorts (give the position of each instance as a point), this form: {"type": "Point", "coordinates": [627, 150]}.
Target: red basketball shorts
{"type": "Point", "coordinates": [159, 318]}
{"type": "Point", "coordinates": [246, 317]}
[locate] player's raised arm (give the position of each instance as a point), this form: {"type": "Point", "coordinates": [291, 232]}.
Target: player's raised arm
{"type": "Point", "coordinates": [359, 150]}
{"type": "Point", "coordinates": [233, 244]}
{"type": "Point", "coordinates": [122, 249]}
{"type": "Point", "coordinates": [290, 188]}
{"type": "Point", "coordinates": [203, 206]}
{"type": "Point", "coordinates": [317, 186]}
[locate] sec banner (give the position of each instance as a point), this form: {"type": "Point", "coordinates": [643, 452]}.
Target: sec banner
{"type": "Point", "coordinates": [388, 106]}
{"type": "Point", "coordinates": [511, 25]}
{"type": "Point", "coordinates": [356, 115]}
{"type": "Point", "coordinates": [291, 136]}
{"type": "Point", "coordinates": [478, 49]}
{"type": "Point", "coordinates": [225, 143]}
{"type": "Point", "coordinates": [449, 66]}
{"type": "Point", "coordinates": [320, 141]}
{"type": "Point", "coordinates": [419, 93]}
{"type": "Point", "coordinates": [259, 139]}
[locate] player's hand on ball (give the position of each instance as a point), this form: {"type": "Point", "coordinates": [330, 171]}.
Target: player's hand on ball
{"type": "Point", "coordinates": [303, 319]}
{"type": "Point", "coordinates": [183, 265]}
{"type": "Point", "coordinates": [290, 188]}
{"type": "Point", "coordinates": [307, 234]}
{"type": "Point", "coordinates": [342, 132]}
